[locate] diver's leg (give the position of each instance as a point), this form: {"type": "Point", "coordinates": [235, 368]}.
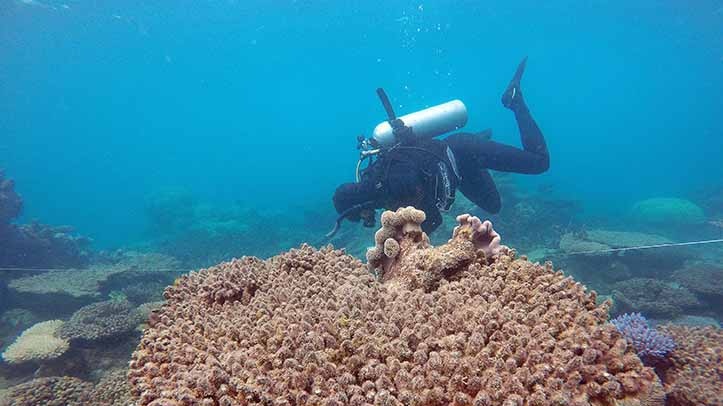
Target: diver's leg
{"type": "Point", "coordinates": [480, 154]}
{"type": "Point", "coordinates": [530, 134]}
{"type": "Point", "coordinates": [533, 158]}
{"type": "Point", "coordinates": [477, 185]}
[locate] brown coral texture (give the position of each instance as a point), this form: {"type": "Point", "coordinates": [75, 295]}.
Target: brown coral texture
{"type": "Point", "coordinates": [467, 325]}
{"type": "Point", "coordinates": [696, 374]}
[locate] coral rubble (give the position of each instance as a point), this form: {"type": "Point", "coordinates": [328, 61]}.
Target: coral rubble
{"type": "Point", "coordinates": [463, 323]}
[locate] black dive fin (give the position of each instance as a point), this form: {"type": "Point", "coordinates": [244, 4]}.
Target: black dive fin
{"type": "Point", "coordinates": [509, 97]}
{"type": "Point", "coordinates": [520, 71]}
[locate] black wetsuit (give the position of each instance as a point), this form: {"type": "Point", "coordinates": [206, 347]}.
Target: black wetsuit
{"type": "Point", "coordinates": [422, 172]}
{"type": "Point", "coordinates": [408, 174]}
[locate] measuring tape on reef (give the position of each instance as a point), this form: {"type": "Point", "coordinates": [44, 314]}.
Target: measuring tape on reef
{"type": "Point", "coordinates": [562, 254]}
{"type": "Point", "coordinates": [641, 247]}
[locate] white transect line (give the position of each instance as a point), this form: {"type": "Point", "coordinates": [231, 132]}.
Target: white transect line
{"type": "Point", "coordinates": [645, 247]}
{"type": "Point", "coordinates": [640, 247]}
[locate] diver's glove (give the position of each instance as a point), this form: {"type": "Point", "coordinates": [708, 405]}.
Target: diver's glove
{"type": "Point", "coordinates": [512, 97]}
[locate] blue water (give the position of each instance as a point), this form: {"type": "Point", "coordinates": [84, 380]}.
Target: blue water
{"type": "Point", "coordinates": [105, 103]}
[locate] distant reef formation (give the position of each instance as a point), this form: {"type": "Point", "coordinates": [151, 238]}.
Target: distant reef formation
{"type": "Point", "coordinates": [57, 293]}
{"type": "Point", "coordinates": [201, 235]}
{"type": "Point", "coordinates": [668, 211]}
{"type": "Point", "coordinates": [609, 254]}
{"type": "Point", "coordinates": [35, 245]}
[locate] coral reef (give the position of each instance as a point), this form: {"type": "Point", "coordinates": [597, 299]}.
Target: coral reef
{"type": "Point", "coordinates": [571, 243]}
{"type": "Point", "coordinates": [600, 240]}
{"type": "Point", "coordinates": [696, 321]}
{"type": "Point", "coordinates": [14, 321]}
{"type": "Point", "coordinates": [606, 259]}
{"type": "Point", "coordinates": [38, 343]}
{"type": "Point", "coordinates": [35, 245]}
{"type": "Point", "coordinates": [112, 390]}
{"type": "Point", "coordinates": [314, 327]}
{"type": "Point", "coordinates": [144, 292]}
{"type": "Point", "coordinates": [53, 391]}
{"type": "Point", "coordinates": [650, 345]}
{"type": "Point", "coordinates": [100, 321]}
{"type": "Point", "coordinates": [412, 262]}
{"type": "Point", "coordinates": [705, 280]}
{"type": "Point", "coordinates": [624, 239]}
{"type": "Point", "coordinates": [653, 297]}
{"type": "Point", "coordinates": [10, 202]}
{"type": "Point", "coordinates": [667, 211]}
{"type": "Point", "coordinates": [144, 311]}
{"type": "Point", "coordinates": [74, 288]}
{"type": "Point", "coordinates": [696, 371]}
{"type": "Point", "coordinates": [201, 235]}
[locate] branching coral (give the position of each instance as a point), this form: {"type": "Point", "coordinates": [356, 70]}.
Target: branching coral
{"type": "Point", "coordinates": [450, 325]}
{"type": "Point", "coordinates": [650, 345]}
{"type": "Point", "coordinates": [38, 343]}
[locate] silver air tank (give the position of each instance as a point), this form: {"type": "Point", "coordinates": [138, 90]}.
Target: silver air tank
{"type": "Point", "coordinates": [430, 122]}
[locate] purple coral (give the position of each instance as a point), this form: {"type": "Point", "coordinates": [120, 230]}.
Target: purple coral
{"type": "Point", "coordinates": [650, 344]}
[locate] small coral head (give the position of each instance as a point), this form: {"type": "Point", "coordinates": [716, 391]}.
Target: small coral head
{"type": "Point", "coordinates": [481, 233]}
{"type": "Point", "coordinates": [650, 345]}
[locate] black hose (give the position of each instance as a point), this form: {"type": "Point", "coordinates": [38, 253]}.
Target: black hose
{"type": "Point", "coordinates": [387, 104]}
{"type": "Point", "coordinates": [345, 213]}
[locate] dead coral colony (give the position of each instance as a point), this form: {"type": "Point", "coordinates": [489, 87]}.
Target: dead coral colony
{"type": "Point", "coordinates": [463, 323]}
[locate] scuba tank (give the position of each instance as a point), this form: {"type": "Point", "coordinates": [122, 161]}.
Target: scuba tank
{"type": "Point", "coordinates": [428, 123]}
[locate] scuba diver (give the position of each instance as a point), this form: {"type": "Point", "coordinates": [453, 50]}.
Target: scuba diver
{"type": "Point", "coordinates": [409, 167]}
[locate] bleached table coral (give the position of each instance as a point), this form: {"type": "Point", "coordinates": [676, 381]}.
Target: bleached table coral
{"type": "Point", "coordinates": [38, 343]}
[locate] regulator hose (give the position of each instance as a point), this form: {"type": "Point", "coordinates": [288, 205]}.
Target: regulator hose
{"type": "Point", "coordinates": [387, 104]}
{"type": "Point", "coordinates": [346, 213]}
